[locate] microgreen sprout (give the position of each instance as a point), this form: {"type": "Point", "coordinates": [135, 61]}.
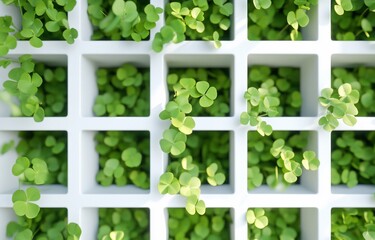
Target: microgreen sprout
{"type": "Point", "coordinates": [339, 105]}
{"type": "Point", "coordinates": [123, 223]}
{"type": "Point", "coordinates": [120, 19]}
{"type": "Point", "coordinates": [40, 89]}
{"type": "Point", "coordinates": [215, 224]}
{"type": "Point", "coordinates": [195, 19]}
{"type": "Point", "coordinates": [352, 20]}
{"type": "Point", "coordinates": [123, 91]}
{"type": "Point", "coordinates": [124, 158]}
{"type": "Point", "coordinates": [352, 158]}
{"type": "Point", "coordinates": [352, 223]}
{"type": "Point", "coordinates": [260, 225]}
{"type": "Point", "coordinates": [40, 21]}
{"type": "Point", "coordinates": [269, 20]}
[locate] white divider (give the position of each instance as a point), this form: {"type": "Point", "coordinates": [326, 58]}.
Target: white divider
{"type": "Point", "coordinates": [314, 56]}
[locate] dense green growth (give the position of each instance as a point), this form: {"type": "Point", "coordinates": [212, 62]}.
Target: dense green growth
{"type": "Point", "coordinates": [195, 20]}
{"type": "Point", "coordinates": [278, 19]}
{"type": "Point", "coordinates": [124, 158]}
{"type": "Point", "coordinates": [216, 77]}
{"type": "Point", "coordinates": [283, 169]}
{"type": "Point", "coordinates": [272, 92]}
{"type": "Point", "coordinates": [120, 19]}
{"type": "Point", "coordinates": [362, 79]}
{"type": "Point", "coordinates": [123, 91]}
{"type": "Point", "coordinates": [50, 223]}
{"type": "Point", "coordinates": [353, 160]}
{"type": "Point", "coordinates": [275, 223]}
{"type": "Point", "coordinates": [191, 91]}
{"type": "Point", "coordinates": [41, 20]}
{"type": "Point", "coordinates": [352, 19]}
{"type": "Point", "coordinates": [214, 225]}
{"type": "Point", "coordinates": [40, 90]}
{"type": "Point", "coordinates": [42, 157]}
{"type": "Point", "coordinates": [124, 223]}
{"type": "Point", "coordinates": [352, 223]}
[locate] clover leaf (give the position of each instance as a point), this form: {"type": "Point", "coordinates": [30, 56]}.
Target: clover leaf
{"type": "Point", "coordinates": [168, 184]}
{"type": "Point", "coordinates": [254, 177]}
{"type": "Point", "coordinates": [173, 142]}
{"type": "Point", "coordinates": [190, 185]}
{"type": "Point", "coordinates": [209, 94]}
{"type": "Point", "coordinates": [194, 205]}
{"type": "Point", "coordinates": [214, 178]}
{"type": "Point", "coordinates": [256, 216]}
{"type": "Point", "coordinates": [74, 231]}
{"type": "Point", "coordinates": [23, 202]}
{"type": "Point", "coordinates": [310, 162]}
{"type": "Point", "coordinates": [185, 124]}
{"type": "Point", "coordinates": [131, 157]}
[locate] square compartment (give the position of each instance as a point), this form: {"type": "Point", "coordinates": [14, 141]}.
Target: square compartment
{"type": "Point", "coordinates": [90, 64]}
{"type": "Point", "coordinates": [89, 171]}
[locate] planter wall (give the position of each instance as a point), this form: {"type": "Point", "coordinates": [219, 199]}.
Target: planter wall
{"type": "Point", "coordinates": [82, 197]}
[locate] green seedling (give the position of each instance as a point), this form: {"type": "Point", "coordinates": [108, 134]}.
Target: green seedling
{"type": "Point", "coordinates": [40, 21]}
{"type": "Point", "coordinates": [195, 20]}
{"type": "Point", "coordinates": [271, 20]}
{"type": "Point", "coordinates": [123, 91]}
{"type": "Point", "coordinates": [122, 20]}
{"type": "Point", "coordinates": [48, 224]}
{"type": "Point", "coordinates": [339, 105]}
{"type": "Point", "coordinates": [40, 90]}
{"type": "Point", "coordinates": [262, 224]}
{"type": "Point", "coordinates": [123, 223]}
{"type": "Point", "coordinates": [272, 92]}
{"type": "Point", "coordinates": [352, 20]}
{"type": "Point", "coordinates": [352, 223]}
{"type": "Point", "coordinates": [124, 158]}
{"type": "Point", "coordinates": [352, 158]}
{"type": "Point", "coordinates": [215, 224]}
{"type": "Point", "coordinates": [361, 78]}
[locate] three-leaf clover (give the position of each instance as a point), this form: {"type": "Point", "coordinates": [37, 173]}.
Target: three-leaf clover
{"type": "Point", "coordinates": [23, 202]}
{"type": "Point", "coordinates": [257, 217]}
{"type": "Point", "coordinates": [173, 142]}
{"type": "Point", "coordinates": [168, 184]}
{"type": "Point", "coordinates": [214, 178]}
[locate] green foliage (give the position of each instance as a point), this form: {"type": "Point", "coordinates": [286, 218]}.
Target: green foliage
{"type": "Point", "coordinates": [278, 159]}
{"type": "Point", "coordinates": [40, 21]}
{"type": "Point", "coordinates": [270, 20]}
{"type": "Point", "coordinates": [352, 158]}
{"type": "Point", "coordinates": [23, 202]}
{"type": "Point", "coordinates": [123, 91]}
{"type": "Point", "coordinates": [195, 20]}
{"type": "Point", "coordinates": [49, 223]}
{"type": "Point", "coordinates": [204, 160]}
{"type": "Point", "coordinates": [7, 40]}
{"type": "Point", "coordinates": [214, 224]}
{"type": "Point", "coordinates": [352, 20]}
{"type": "Point", "coordinates": [42, 158]}
{"type": "Point", "coordinates": [41, 90]}
{"type": "Point", "coordinates": [352, 223]}
{"type": "Point", "coordinates": [339, 105]}
{"type": "Point", "coordinates": [272, 92]}
{"type": "Point", "coordinates": [120, 19]}
{"type": "Point", "coordinates": [6, 147]}
{"type": "Point", "coordinates": [124, 158]}
{"type": "Point", "coordinates": [123, 224]}
{"type": "Point", "coordinates": [362, 79]}
{"type": "Point", "coordinates": [283, 223]}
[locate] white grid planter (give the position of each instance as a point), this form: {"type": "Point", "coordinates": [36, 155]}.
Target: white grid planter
{"type": "Point", "coordinates": [82, 197]}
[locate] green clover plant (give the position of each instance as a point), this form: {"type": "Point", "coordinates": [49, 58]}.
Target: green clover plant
{"type": "Point", "coordinates": [123, 223]}
{"type": "Point", "coordinates": [40, 90]}
{"type": "Point", "coordinates": [352, 223]}
{"type": "Point", "coordinates": [352, 20]}
{"type": "Point", "coordinates": [123, 91]}
{"type": "Point", "coordinates": [269, 20]}
{"type": "Point", "coordinates": [352, 158]}
{"type": "Point", "coordinates": [124, 158]}
{"type": "Point", "coordinates": [120, 19]}
{"type": "Point", "coordinates": [40, 21]}
{"type": "Point", "coordinates": [195, 19]}
{"type": "Point", "coordinates": [287, 225]}
{"type": "Point", "coordinates": [192, 93]}
{"type": "Point", "coordinates": [215, 224]}
{"type": "Point", "coordinates": [50, 223]}
{"type": "Point", "coordinates": [339, 105]}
